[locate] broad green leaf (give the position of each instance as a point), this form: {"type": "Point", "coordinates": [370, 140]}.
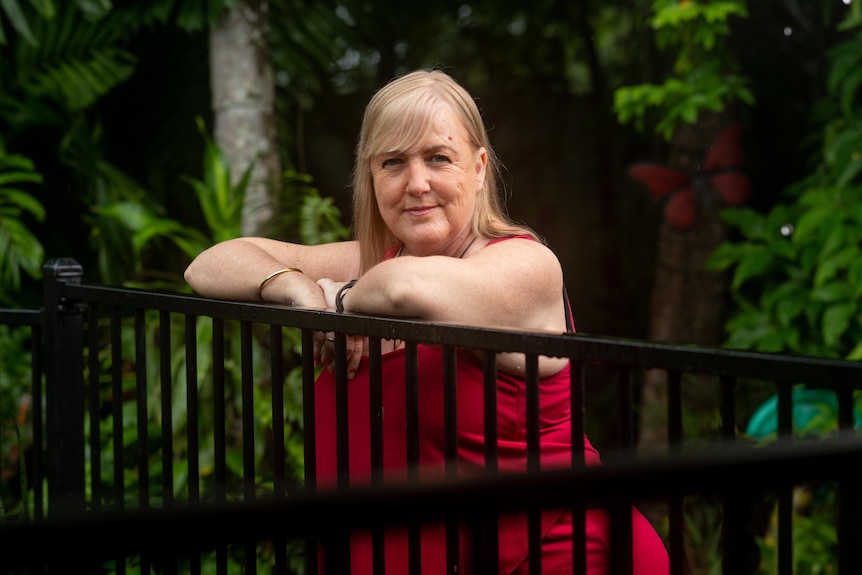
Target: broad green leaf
{"type": "Point", "coordinates": [46, 8]}
{"type": "Point", "coordinates": [830, 266]}
{"type": "Point", "coordinates": [94, 9]}
{"type": "Point", "coordinates": [813, 221]}
{"type": "Point", "coordinates": [726, 255]}
{"type": "Point", "coordinates": [835, 238]}
{"type": "Point", "coordinates": [854, 277]}
{"type": "Point", "coordinates": [836, 320]}
{"type": "Point", "coordinates": [771, 341]}
{"type": "Point", "coordinates": [844, 58]}
{"type": "Point", "coordinates": [133, 215]}
{"type": "Point", "coordinates": [856, 353]}
{"type": "Point", "coordinates": [748, 329]}
{"type": "Point", "coordinates": [756, 261]}
{"type": "Point", "coordinates": [749, 222]}
{"type": "Point", "coordinates": [844, 154]}
{"type": "Point", "coordinates": [830, 293]}
{"type": "Point", "coordinates": [12, 10]}
{"type": "Point", "coordinates": [24, 201]}
{"type": "Point", "coordinates": [789, 301]}
{"type": "Point", "coordinates": [19, 177]}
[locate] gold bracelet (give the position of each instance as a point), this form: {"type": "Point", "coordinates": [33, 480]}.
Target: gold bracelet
{"type": "Point", "coordinates": [270, 277]}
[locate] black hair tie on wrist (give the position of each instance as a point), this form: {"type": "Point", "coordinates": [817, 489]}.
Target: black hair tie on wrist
{"type": "Point", "coordinates": [339, 303]}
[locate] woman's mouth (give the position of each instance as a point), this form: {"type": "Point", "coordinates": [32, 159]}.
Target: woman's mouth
{"type": "Point", "coordinates": [420, 210]}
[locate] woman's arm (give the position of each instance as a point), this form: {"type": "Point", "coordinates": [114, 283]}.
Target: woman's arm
{"type": "Point", "coordinates": [515, 284]}
{"type": "Point", "coordinates": [234, 270]}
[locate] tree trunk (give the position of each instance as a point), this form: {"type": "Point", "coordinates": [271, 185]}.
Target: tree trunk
{"type": "Point", "coordinates": [687, 306]}
{"type": "Point", "coordinates": [243, 104]}
{"type": "Point", "coordinates": [687, 302]}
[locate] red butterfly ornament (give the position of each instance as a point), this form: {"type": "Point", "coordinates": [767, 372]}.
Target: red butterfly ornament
{"type": "Point", "coordinates": [719, 173]}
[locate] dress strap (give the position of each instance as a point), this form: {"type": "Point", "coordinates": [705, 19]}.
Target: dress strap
{"type": "Point", "coordinates": [570, 321]}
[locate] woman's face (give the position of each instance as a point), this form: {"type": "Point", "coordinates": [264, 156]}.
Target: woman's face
{"type": "Point", "coordinates": [426, 195]}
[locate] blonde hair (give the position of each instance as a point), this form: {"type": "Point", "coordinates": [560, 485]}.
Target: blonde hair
{"type": "Point", "coordinates": [398, 117]}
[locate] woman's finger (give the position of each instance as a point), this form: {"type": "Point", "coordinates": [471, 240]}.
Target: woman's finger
{"type": "Point", "coordinates": [355, 345]}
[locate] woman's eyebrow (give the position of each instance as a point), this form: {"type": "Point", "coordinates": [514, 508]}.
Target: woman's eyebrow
{"type": "Point", "coordinates": [437, 148]}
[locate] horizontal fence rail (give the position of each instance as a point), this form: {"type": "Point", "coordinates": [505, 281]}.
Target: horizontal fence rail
{"type": "Point", "coordinates": [181, 416]}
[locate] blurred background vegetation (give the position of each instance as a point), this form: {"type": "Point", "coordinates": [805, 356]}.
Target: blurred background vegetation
{"type": "Point", "coordinates": [105, 111]}
{"type": "Point", "coordinates": [135, 133]}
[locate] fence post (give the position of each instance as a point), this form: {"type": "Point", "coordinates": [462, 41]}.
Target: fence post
{"type": "Point", "coordinates": [64, 389]}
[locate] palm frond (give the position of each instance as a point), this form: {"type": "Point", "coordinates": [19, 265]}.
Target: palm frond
{"type": "Point", "coordinates": [76, 62]}
{"type": "Point", "coordinates": [19, 247]}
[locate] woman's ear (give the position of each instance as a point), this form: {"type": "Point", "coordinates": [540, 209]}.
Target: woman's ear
{"type": "Point", "coordinates": [481, 166]}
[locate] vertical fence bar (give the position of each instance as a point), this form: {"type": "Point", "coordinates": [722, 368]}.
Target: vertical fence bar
{"type": "Point", "coordinates": [94, 407]}
{"type": "Point", "coordinates": [625, 410]}
{"type": "Point", "coordinates": [247, 414]}
{"type": "Point", "coordinates": [487, 532]}
{"type": "Point", "coordinates": [117, 443]}
{"type": "Point", "coordinates": [785, 490]}
{"type": "Point", "coordinates": [247, 410]}
{"type": "Point", "coordinates": [279, 484]}
{"type": "Point", "coordinates": [534, 463]}
{"type": "Point", "coordinates": [849, 530]}
{"type": "Point", "coordinates": [192, 435]}
{"type": "Point", "coordinates": [308, 424]}
{"type": "Point", "coordinates": [578, 403]}
{"type": "Point", "coordinates": [276, 343]}
{"type": "Point", "coordinates": [166, 389]}
{"type": "Point", "coordinates": [849, 496]}
{"type": "Point", "coordinates": [308, 419]}
{"type": "Point", "coordinates": [142, 415]}
{"type": "Point", "coordinates": [64, 376]}
{"type": "Point", "coordinates": [342, 428]}
{"type": "Point", "coordinates": [619, 510]}
{"type": "Point", "coordinates": [342, 434]}
{"type": "Point", "coordinates": [142, 421]}
{"type": "Point", "coordinates": [450, 434]}
{"type": "Point", "coordinates": [38, 423]}
{"type": "Point", "coordinates": [219, 431]}
{"type": "Point", "coordinates": [733, 529]}
{"type": "Point", "coordinates": [117, 406]}
{"type": "Point", "coordinates": [411, 380]}
{"type": "Point", "coordinates": [727, 408]}
{"type": "Point", "coordinates": [411, 407]}
{"type": "Point", "coordinates": [375, 405]}
{"type": "Point", "coordinates": [169, 563]}
{"type": "Point", "coordinates": [676, 518]}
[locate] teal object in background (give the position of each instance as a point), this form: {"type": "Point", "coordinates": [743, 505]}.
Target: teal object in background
{"type": "Point", "coordinates": [814, 410]}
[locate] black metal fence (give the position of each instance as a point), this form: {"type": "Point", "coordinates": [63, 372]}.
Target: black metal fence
{"type": "Point", "coordinates": [169, 433]}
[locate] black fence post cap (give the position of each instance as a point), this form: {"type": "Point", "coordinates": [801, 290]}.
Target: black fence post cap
{"type": "Point", "coordinates": [62, 267]}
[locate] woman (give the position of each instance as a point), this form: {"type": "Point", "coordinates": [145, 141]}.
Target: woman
{"type": "Point", "coordinates": [432, 243]}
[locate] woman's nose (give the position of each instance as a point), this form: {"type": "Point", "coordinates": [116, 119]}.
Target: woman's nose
{"type": "Point", "coordinates": [417, 178]}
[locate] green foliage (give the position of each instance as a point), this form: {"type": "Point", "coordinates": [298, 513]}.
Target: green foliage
{"type": "Point", "coordinates": [797, 278]}
{"type": "Point", "coordinates": [20, 250]}
{"type": "Point", "coordinates": [815, 534]}
{"type": "Point", "coordinates": [77, 61]}
{"type": "Point", "coordinates": [188, 15]}
{"type": "Point", "coordinates": [19, 18]}
{"type": "Point", "coordinates": [319, 220]}
{"type": "Point", "coordinates": [15, 434]}
{"type": "Point", "coordinates": [219, 198]}
{"type": "Point", "coordinates": [704, 75]}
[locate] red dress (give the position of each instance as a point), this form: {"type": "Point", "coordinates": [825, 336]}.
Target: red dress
{"type": "Point", "coordinates": [650, 556]}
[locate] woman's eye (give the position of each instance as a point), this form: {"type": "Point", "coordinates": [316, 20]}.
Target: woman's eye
{"type": "Point", "coordinates": [439, 159]}
{"type": "Point", "coordinates": [391, 162]}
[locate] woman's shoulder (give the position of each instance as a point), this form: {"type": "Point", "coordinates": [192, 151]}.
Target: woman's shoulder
{"type": "Point", "coordinates": [512, 237]}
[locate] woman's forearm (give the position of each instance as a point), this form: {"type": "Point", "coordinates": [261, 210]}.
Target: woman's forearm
{"type": "Point", "coordinates": [236, 270]}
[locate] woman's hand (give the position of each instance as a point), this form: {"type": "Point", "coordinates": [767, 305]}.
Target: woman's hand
{"type": "Point", "coordinates": [324, 342]}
